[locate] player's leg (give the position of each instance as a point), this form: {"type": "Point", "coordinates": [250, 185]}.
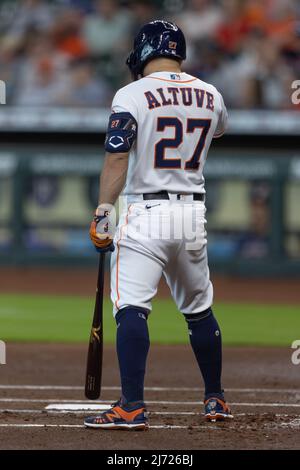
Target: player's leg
{"type": "Point", "coordinates": [206, 341]}
{"type": "Point", "coordinates": [204, 331]}
{"type": "Point", "coordinates": [188, 278]}
{"type": "Point", "coordinates": [134, 280]}
{"type": "Point", "coordinates": [135, 274]}
{"type": "Point", "coordinates": [132, 349]}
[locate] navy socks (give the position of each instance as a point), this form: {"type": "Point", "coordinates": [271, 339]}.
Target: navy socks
{"type": "Point", "coordinates": [133, 345]}
{"type": "Point", "coordinates": [205, 338]}
{"type": "Point", "coordinates": [132, 348]}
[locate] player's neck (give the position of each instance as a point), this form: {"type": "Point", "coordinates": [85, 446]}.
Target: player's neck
{"type": "Point", "coordinates": [162, 64]}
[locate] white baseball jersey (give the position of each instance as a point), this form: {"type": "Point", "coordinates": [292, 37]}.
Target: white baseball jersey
{"type": "Point", "coordinates": [177, 116]}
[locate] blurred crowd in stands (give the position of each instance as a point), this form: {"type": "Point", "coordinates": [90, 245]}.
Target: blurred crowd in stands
{"type": "Point", "coordinates": [72, 52]}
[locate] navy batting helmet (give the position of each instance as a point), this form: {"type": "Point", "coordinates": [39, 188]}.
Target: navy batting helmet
{"type": "Point", "coordinates": [156, 39]}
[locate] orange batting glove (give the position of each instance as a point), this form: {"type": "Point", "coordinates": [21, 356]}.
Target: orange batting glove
{"type": "Point", "coordinates": [100, 232]}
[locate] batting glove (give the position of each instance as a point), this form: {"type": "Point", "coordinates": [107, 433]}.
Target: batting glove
{"type": "Point", "coordinates": [101, 232]}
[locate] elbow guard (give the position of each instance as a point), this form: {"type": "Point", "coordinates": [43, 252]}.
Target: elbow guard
{"type": "Point", "coordinates": [121, 133]}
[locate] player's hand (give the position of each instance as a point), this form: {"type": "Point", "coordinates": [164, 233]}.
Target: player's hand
{"type": "Point", "coordinates": [101, 231]}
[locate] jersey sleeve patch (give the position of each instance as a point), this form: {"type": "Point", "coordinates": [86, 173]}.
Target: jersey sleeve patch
{"type": "Point", "coordinates": [121, 133]}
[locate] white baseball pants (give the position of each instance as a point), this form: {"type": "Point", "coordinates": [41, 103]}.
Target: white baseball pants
{"type": "Point", "coordinates": [161, 237]}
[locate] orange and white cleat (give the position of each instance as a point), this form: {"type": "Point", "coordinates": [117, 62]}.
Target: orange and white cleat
{"type": "Point", "coordinates": [121, 416]}
{"type": "Point", "coordinates": [216, 409]}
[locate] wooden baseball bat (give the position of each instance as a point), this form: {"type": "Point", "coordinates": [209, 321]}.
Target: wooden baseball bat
{"type": "Point", "coordinates": [95, 350]}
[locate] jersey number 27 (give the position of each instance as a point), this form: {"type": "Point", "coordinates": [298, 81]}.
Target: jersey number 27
{"type": "Point", "coordinates": [161, 146]}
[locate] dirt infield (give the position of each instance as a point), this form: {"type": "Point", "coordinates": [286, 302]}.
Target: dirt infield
{"type": "Point", "coordinates": [81, 281]}
{"type": "Point", "coordinates": [262, 385]}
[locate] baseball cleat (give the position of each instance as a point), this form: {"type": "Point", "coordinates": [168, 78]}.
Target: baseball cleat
{"type": "Point", "coordinates": [120, 416]}
{"type": "Point", "coordinates": [216, 409]}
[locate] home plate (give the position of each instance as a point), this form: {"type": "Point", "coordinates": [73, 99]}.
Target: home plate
{"type": "Point", "coordinates": [77, 407]}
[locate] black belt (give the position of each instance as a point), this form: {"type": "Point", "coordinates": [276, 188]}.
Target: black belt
{"type": "Point", "coordinates": [165, 195]}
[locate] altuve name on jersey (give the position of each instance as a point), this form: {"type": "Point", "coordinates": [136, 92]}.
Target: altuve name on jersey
{"type": "Point", "coordinates": [182, 96]}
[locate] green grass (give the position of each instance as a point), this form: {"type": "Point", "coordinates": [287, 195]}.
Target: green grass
{"type": "Point", "coordinates": [67, 319]}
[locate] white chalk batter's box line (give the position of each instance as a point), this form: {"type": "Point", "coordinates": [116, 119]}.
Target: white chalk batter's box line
{"type": "Point", "coordinates": [293, 424]}
{"type": "Point", "coordinates": [151, 389]}
{"type": "Point", "coordinates": [150, 402]}
{"type": "Point", "coordinates": [151, 413]}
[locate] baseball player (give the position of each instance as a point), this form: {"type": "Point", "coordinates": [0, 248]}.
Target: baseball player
{"type": "Point", "coordinates": [158, 136]}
